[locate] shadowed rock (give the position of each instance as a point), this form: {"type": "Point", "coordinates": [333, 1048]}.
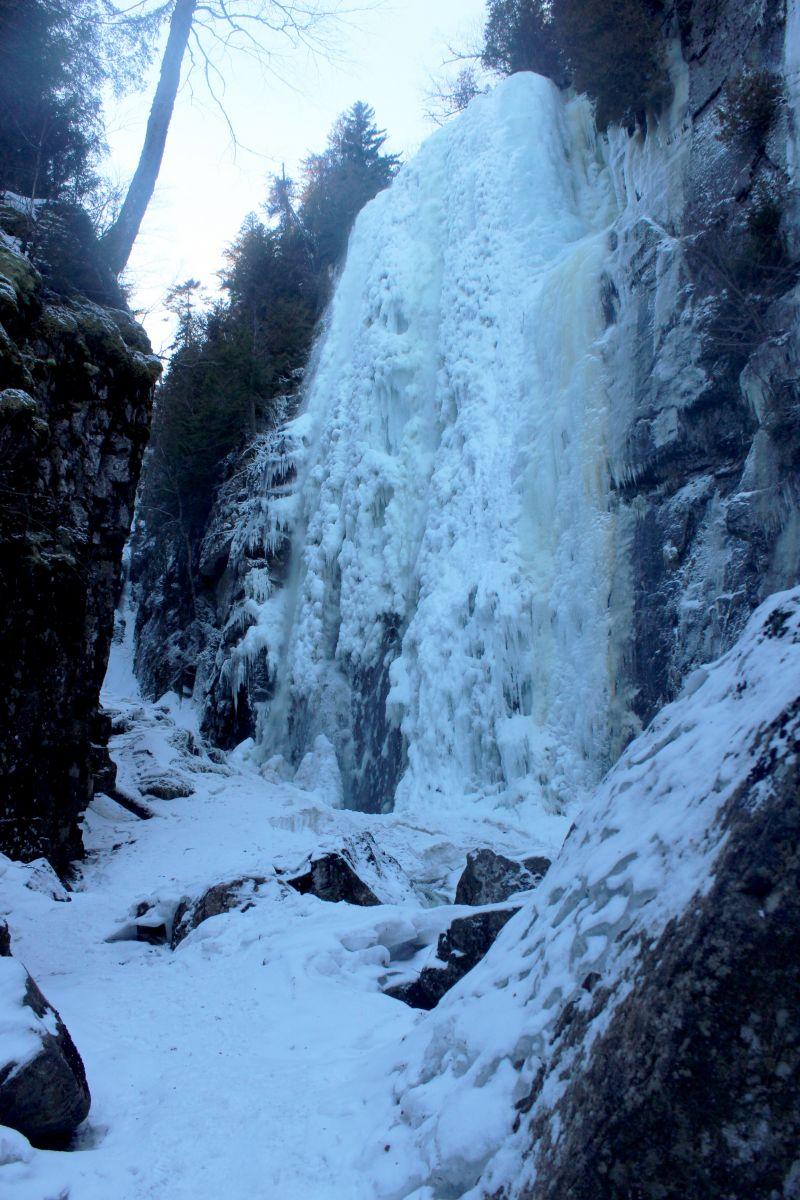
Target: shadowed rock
{"type": "Point", "coordinates": [331, 877]}
{"type": "Point", "coordinates": [490, 878]}
{"type": "Point", "coordinates": [45, 1097]}
{"type": "Point", "coordinates": [460, 947]}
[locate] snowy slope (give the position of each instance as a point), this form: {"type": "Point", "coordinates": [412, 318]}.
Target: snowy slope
{"type": "Point", "coordinates": [239, 1064]}
{"type": "Point", "coordinates": [230, 1066]}
{"type": "Point", "coordinates": [453, 543]}
{"type": "Point", "coordinates": [261, 1058]}
{"type": "Point", "coordinates": [642, 853]}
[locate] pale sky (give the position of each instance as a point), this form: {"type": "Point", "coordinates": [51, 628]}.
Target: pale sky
{"type": "Point", "coordinates": [206, 187]}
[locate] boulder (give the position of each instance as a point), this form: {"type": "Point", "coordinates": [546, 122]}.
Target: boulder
{"type": "Point", "coordinates": [150, 925]}
{"type": "Point", "coordinates": [43, 1089]}
{"type": "Point", "coordinates": [330, 877]}
{"type": "Point", "coordinates": [460, 948]}
{"type": "Point", "coordinates": [490, 878]}
{"type": "Point", "coordinates": [166, 787]}
{"type": "Point", "coordinates": [222, 898]}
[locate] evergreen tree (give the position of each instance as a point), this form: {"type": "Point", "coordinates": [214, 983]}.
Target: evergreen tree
{"type": "Point", "coordinates": [611, 49]}
{"type": "Point", "coordinates": [51, 72]}
{"type": "Point", "coordinates": [520, 35]}
{"type": "Point", "coordinates": [341, 180]}
{"type": "Point", "coordinates": [615, 49]}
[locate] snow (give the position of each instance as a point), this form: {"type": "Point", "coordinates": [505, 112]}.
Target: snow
{"type": "Point", "coordinates": [261, 1056]}
{"type": "Point", "coordinates": [239, 1064]}
{"type": "Point", "coordinates": [641, 851]}
{"type": "Point", "coordinates": [452, 519]}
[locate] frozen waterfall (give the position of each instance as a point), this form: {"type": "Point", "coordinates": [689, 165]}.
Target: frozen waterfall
{"type": "Point", "coordinates": [448, 620]}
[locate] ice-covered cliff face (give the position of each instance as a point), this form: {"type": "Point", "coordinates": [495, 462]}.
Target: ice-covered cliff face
{"type": "Point", "coordinates": [549, 441]}
{"type": "Point", "coordinates": [448, 623]}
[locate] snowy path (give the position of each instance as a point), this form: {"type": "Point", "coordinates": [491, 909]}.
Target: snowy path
{"type": "Point", "coordinates": [246, 1063]}
{"type": "Point", "coordinates": [229, 1067]}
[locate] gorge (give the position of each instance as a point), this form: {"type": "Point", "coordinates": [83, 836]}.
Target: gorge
{"type": "Point", "coordinates": [515, 569]}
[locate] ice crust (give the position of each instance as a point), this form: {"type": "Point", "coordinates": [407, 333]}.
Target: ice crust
{"type": "Point", "coordinates": [453, 520]}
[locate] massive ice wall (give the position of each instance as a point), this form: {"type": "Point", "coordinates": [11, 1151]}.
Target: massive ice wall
{"type": "Point", "coordinates": [447, 625]}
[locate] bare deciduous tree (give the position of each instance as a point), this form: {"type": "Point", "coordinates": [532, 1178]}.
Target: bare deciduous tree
{"type": "Point", "coordinates": [201, 30]}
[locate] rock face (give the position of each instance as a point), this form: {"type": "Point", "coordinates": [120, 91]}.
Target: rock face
{"type": "Point", "coordinates": [76, 383]}
{"type": "Point", "coordinates": [461, 947]}
{"type": "Point", "coordinates": [330, 877]}
{"type": "Point", "coordinates": [693, 1088]}
{"type": "Point", "coordinates": [243, 554]}
{"type": "Point", "coordinates": [702, 353]}
{"type": "Point", "coordinates": [636, 1032]}
{"type": "Point", "coordinates": [43, 1088]}
{"type": "Point", "coordinates": [490, 878]}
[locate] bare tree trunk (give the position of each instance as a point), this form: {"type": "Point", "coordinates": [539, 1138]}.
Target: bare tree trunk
{"type": "Point", "coordinates": [117, 243]}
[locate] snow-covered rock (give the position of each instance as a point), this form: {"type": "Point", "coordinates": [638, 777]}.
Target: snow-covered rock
{"type": "Point", "coordinates": [632, 1026]}
{"type": "Point", "coordinates": [43, 1089]}
{"type": "Point", "coordinates": [490, 878]}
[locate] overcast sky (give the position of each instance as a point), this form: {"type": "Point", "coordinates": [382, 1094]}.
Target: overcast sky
{"type": "Point", "coordinates": [385, 56]}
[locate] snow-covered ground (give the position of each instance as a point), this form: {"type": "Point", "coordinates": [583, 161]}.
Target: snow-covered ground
{"type": "Point", "coordinates": [242, 1064]}
{"type": "Point", "coordinates": [260, 1058]}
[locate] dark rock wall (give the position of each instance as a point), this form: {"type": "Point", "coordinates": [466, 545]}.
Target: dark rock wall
{"type": "Point", "coordinates": [76, 383]}
{"type": "Point", "coordinates": [692, 1090]}
{"type": "Point", "coordinates": [703, 354]}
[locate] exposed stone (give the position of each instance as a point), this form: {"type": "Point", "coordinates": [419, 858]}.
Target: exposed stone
{"type": "Point", "coordinates": [461, 947]}
{"type": "Point", "coordinates": [76, 384]}
{"type": "Point", "coordinates": [330, 877]}
{"type": "Point", "coordinates": [490, 878]}
{"type": "Point", "coordinates": [222, 898]}
{"type": "Point", "coordinates": [43, 1095]}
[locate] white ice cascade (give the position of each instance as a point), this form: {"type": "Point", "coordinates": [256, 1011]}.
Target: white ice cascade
{"type": "Point", "coordinates": [454, 542]}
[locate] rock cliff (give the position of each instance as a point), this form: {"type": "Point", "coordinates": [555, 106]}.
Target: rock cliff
{"type": "Point", "coordinates": [76, 382]}
{"type": "Point", "coordinates": [703, 351]}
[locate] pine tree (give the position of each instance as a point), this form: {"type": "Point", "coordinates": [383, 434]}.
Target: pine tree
{"type": "Point", "coordinates": [613, 50]}
{"type": "Point", "coordinates": [520, 35]}
{"type": "Point", "coordinates": [51, 72]}
{"type": "Point", "coordinates": [341, 180]}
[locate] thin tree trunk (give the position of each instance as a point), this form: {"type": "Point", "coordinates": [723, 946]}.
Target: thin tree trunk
{"type": "Point", "coordinates": [117, 243]}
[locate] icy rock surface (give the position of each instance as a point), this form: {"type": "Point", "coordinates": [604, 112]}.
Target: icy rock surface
{"type": "Point", "coordinates": [448, 616]}
{"type": "Point", "coordinates": [519, 1033]}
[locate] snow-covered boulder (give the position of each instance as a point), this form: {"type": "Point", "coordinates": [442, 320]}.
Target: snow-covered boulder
{"type": "Point", "coordinates": [43, 1088]}
{"type": "Point", "coordinates": [221, 898]}
{"type": "Point", "coordinates": [331, 877]}
{"type": "Point", "coordinates": [490, 878]}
